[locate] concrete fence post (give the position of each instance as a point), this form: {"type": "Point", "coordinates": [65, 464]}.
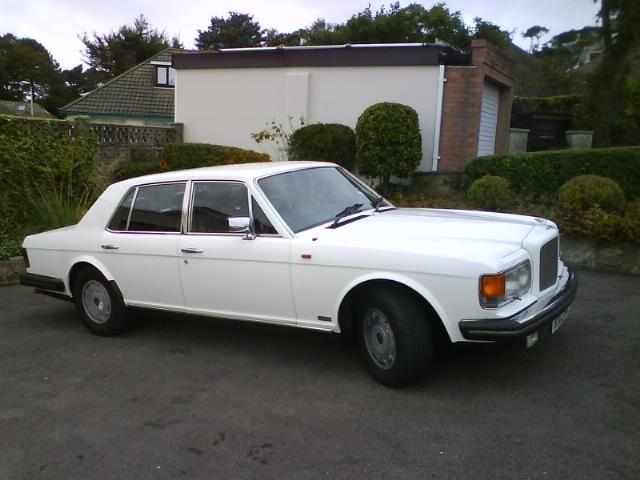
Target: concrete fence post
{"type": "Point", "coordinates": [179, 128]}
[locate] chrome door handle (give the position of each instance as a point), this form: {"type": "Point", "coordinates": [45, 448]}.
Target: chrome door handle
{"type": "Point", "coordinates": [190, 250]}
{"type": "Point", "coordinates": [109, 246]}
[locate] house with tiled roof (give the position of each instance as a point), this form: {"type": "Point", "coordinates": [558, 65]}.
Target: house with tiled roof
{"type": "Point", "coordinates": [23, 109]}
{"type": "Point", "coordinates": [143, 95]}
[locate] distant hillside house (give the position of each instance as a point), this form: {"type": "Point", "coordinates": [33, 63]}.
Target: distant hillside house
{"type": "Point", "coordinates": [143, 95]}
{"type": "Point", "coordinates": [23, 109]}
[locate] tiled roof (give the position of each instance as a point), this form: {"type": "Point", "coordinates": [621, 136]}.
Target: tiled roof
{"type": "Point", "coordinates": [9, 107]}
{"type": "Point", "coordinates": [132, 93]}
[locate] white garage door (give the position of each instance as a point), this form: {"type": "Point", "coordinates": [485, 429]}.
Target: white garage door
{"type": "Point", "coordinates": [488, 120]}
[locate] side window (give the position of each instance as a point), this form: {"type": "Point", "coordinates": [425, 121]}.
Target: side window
{"type": "Point", "coordinates": [262, 224]}
{"type": "Point", "coordinates": [120, 217]}
{"type": "Point", "coordinates": [157, 208]}
{"type": "Point", "coordinates": [218, 207]}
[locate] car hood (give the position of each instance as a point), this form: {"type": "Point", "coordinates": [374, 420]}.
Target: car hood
{"type": "Point", "coordinates": [406, 227]}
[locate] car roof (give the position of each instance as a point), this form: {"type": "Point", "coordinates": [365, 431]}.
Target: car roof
{"type": "Point", "coordinates": [244, 172]}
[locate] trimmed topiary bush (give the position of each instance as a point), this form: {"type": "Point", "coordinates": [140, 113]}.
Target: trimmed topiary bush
{"type": "Point", "coordinates": [543, 173]}
{"type": "Point", "coordinates": [325, 142]}
{"type": "Point", "coordinates": [491, 193]}
{"type": "Point", "coordinates": [388, 141]}
{"type": "Point", "coordinates": [588, 191]}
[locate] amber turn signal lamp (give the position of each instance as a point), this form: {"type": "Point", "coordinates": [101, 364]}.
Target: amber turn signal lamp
{"type": "Point", "coordinates": [492, 286]}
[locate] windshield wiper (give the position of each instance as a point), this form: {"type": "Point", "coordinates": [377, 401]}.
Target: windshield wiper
{"type": "Point", "coordinates": [350, 210]}
{"type": "Point", "coordinates": [377, 204]}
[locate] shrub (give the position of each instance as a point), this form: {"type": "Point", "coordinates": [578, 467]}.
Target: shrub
{"type": "Point", "coordinates": [41, 158]}
{"type": "Point", "coordinates": [593, 223]}
{"type": "Point", "coordinates": [587, 191]}
{"type": "Point", "coordinates": [326, 142]}
{"type": "Point", "coordinates": [9, 245]}
{"type": "Point", "coordinates": [388, 141]}
{"type": "Point", "coordinates": [179, 156]}
{"type": "Point", "coordinates": [491, 193]}
{"type": "Point", "coordinates": [543, 173]}
{"type": "Point", "coordinates": [631, 221]}
{"type": "Point", "coordinates": [127, 170]}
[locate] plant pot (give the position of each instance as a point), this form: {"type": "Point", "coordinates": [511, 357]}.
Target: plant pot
{"type": "Point", "coordinates": [579, 138]}
{"type": "Point", "coordinates": [518, 138]}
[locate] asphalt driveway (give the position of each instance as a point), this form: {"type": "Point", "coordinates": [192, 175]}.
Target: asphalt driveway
{"type": "Point", "coordinates": [185, 397]}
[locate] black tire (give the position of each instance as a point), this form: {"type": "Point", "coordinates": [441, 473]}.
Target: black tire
{"type": "Point", "coordinates": [410, 330]}
{"type": "Point", "coordinates": [108, 316]}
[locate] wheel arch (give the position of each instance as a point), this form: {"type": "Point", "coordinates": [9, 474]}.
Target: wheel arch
{"type": "Point", "coordinates": [79, 263]}
{"type": "Point", "coordinates": [352, 292]}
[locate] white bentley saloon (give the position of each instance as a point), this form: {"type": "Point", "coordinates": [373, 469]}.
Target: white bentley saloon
{"type": "Point", "coordinates": [308, 245]}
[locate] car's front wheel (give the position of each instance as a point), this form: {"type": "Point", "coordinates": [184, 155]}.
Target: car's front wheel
{"type": "Point", "coordinates": [395, 338]}
{"type": "Point", "coordinates": [99, 306]}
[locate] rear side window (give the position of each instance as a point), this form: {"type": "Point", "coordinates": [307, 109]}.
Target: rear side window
{"type": "Point", "coordinates": [217, 206]}
{"type": "Point", "coordinates": [120, 218]}
{"type": "Point", "coordinates": [157, 208]}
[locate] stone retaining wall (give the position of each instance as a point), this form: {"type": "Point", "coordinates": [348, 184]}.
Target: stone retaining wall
{"type": "Point", "coordinates": [10, 270]}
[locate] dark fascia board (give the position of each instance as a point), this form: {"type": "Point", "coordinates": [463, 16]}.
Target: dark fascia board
{"type": "Point", "coordinates": [342, 56]}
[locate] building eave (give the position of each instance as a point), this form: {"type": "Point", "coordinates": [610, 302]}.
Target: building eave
{"type": "Point", "coordinates": [416, 54]}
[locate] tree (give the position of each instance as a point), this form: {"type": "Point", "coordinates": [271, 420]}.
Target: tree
{"type": "Point", "coordinates": [116, 52]}
{"type": "Point", "coordinates": [533, 34]}
{"type": "Point", "coordinates": [608, 92]}
{"type": "Point", "coordinates": [393, 24]}
{"type": "Point", "coordinates": [27, 69]}
{"type": "Point", "coordinates": [235, 31]}
{"type": "Point", "coordinates": [486, 30]}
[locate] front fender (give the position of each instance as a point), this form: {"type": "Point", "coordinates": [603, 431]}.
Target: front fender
{"type": "Point", "coordinates": [398, 278]}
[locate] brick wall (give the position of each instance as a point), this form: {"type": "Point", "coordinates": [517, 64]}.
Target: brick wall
{"type": "Point", "coordinates": [462, 101]}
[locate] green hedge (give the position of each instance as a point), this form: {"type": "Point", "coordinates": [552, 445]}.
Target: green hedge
{"type": "Point", "coordinates": [543, 173]}
{"type": "Point", "coordinates": [40, 161]}
{"type": "Point", "coordinates": [325, 142]}
{"type": "Point", "coordinates": [180, 156]}
{"type": "Point", "coordinates": [560, 104]}
{"type": "Point", "coordinates": [176, 156]}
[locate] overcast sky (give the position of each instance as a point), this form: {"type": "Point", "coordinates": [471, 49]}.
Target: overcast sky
{"type": "Point", "coordinates": [57, 23]}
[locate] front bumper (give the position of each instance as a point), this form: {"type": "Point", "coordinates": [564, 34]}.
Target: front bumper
{"type": "Point", "coordinates": [519, 325]}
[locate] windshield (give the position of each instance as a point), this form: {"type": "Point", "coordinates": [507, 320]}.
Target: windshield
{"type": "Point", "coordinates": [313, 196]}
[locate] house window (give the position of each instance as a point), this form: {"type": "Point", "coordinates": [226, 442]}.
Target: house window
{"type": "Point", "coordinates": [165, 76]}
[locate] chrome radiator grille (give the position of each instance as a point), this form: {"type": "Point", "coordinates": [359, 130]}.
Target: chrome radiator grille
{"type": "Point", "coordinates": [549, 263]}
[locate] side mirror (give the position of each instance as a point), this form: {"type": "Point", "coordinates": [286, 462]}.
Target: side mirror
{"type": "Point", "coordinates": [239, 224]}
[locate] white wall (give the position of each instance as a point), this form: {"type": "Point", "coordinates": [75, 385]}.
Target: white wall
{"type": "Point", "coordinates": [225, 106]}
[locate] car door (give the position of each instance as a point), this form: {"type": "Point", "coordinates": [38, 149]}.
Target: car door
{"type": "Point", "coordinates": [226, 272]}
{"type": "Point", "coordinates": [140, 245]}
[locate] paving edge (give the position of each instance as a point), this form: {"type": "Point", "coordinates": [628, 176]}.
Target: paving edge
{"type": "Point", "coordinates": [582, 254]}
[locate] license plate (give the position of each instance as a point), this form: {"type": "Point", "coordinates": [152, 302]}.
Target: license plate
{"type": "Point", "coordinates": [559, 320]}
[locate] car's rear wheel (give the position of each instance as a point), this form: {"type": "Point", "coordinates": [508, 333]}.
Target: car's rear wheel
{"type": "Point", "coordinates": [99, 306]}
{"type": "Point", "coordinates": [395, 338]}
